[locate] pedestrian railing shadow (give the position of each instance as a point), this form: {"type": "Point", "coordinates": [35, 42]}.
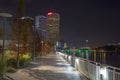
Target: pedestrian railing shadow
{"type": "Point", "coordinates": [34, 69]}
{"type": "Point", "coordinates": [43, 61]}
{"type": "Point", "coordinates": [50, 75]}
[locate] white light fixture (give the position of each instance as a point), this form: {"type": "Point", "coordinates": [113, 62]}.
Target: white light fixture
{"type": "Point", "coordinates": [77, 60]}
{"type": "Point", "coordinates": [69, 57]}
{"type": "Point", "coordinates": [5, 15]}
{"type": "Point", "coordinates": [103, 72]}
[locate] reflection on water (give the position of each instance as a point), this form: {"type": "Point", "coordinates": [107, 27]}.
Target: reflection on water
{"type": "Point", "coordinates": [109, 58]}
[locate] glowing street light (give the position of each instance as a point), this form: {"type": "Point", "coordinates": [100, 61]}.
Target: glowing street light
{"type": "Point", "coordinates": [5, 15]}
{"type": "Point", "coordinates": [103, 72]}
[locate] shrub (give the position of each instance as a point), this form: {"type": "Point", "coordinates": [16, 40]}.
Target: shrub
{"type": "Point", "coordinates": [11, 62]}
{"type": "Point", "coordinates": [25, 58]}
{"type": "Point", "coordinates": [3, 67]}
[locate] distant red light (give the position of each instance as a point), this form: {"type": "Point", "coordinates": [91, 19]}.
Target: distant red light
{"type": "Point", "coordinates": [50, 13]}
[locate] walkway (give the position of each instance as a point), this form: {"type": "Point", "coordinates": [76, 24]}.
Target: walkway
{"type": "Point", "coordinates": [50, 67]}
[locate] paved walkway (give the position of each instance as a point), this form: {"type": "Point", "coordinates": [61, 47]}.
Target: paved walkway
{"type": "Point", "coordinates": [50, 67]}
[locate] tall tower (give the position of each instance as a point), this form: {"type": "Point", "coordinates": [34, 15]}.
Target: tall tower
{"type": "Point", "coordinates": [40, 25]}
{"type": "Point", "coordinates": [52, 27]}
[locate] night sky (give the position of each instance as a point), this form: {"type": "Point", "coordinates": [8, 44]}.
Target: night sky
{"type": "Point", "coordinates": [95, 20]}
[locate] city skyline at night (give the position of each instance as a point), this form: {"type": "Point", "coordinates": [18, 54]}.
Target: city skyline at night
{"type": "Point", "coordinates": [95, 21]}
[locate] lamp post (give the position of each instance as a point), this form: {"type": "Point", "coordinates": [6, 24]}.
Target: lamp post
{"type": "Point", "coordinates": [42, 47]}
{"type": "Point", "coordinates": [4, 16]}
{"type": "Point", "coordinates": [86, 43]}
{"type": "Point", "coordinates": [87, 55]}
{"type": "Point", "coordinates": [34, 42]}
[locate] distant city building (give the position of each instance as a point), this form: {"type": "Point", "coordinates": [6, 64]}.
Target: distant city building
{"type": "Point", "coordinates": [40, 25]}
{"type": "Point", "coordinates": [53, 27]}
{"type": "Point", "coordinates": [65, 45]}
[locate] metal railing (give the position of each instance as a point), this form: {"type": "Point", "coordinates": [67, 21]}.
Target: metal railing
{"type": "Point", "coordinates": [91, 69]}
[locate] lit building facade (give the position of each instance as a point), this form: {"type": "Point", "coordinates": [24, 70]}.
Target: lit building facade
{"type": "Point", "coordinates": [40, 25]}
{"type": "Point", "coordinates": [53, 27]}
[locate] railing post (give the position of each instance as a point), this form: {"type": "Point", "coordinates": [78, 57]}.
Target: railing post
{"type": "Point", "coordinates": [94, 52]}
{"type": "Point", "coordinates": [113, 73]}
{"type": "Point", "coordinates": [103, 57]}
{"type": "Point", "coordinates": [98, 71]}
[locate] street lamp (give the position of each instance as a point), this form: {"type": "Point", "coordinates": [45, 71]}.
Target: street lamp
{"type": "Point", "coordinates": [86, 43]}
{"type": "Point", "coordinates": [4, 16]}
{"type": "Point", "coordinates": [87, 55]}
{"type": "Point", "coordinates": [42, 47]}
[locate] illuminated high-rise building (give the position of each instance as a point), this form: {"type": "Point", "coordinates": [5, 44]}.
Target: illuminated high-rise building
{"type": "Point", "coordinates": [53, 27]}
{"type": "Point", "coordinates": [40, 25]}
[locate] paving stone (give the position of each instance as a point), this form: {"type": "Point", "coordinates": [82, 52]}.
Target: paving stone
{"type": "Point", "coordinates": [50, 67]}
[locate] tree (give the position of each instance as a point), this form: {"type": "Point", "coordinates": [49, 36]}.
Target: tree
{"type": "Point", "coordinates": [21, 36]}
{"type": "Point", "coordinates": [46, 48]}
{"type": "Point", "coordinates": [38, 45]}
